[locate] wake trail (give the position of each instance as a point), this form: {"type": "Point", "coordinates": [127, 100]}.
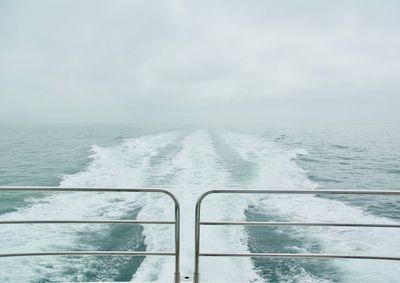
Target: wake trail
{"type": "Point", "coordinates": [192, 170]}
{"type": "Point", "coordinates": [123, 165]}
{"type": "Point", "coordinates": [188, 163]}
{"type": "Point", "coordinates": [277, 169]}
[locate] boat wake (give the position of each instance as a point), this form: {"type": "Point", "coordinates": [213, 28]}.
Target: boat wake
{"type": "Point", "coordinates": [188, 163]}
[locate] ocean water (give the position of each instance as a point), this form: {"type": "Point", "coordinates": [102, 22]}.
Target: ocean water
{"type": "Point", "coordinates": [188, 161]}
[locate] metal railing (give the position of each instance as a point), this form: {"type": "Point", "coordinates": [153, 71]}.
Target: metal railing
{"type": "Point", "coordinates": [198, 223]}
{"type": "Point", "coordinates": [176, 222]}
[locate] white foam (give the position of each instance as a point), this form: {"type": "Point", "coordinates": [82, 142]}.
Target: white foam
{"type": "Point", "coordinates": [278, 170]}
{"type": "Point", "coordinates": [190, 169]}
{"type": "Point", "coordinates": [123, 165]}
{"type": "Point", "coordinates": [197, 170]}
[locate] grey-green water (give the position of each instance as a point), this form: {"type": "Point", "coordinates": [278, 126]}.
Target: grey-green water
{"type": "Point", "coordinates": [188, 161]}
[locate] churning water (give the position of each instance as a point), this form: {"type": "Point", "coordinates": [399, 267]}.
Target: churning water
{"type": "Point", "coordinates": [188, 162]}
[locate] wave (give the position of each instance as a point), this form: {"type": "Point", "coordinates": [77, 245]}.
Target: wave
{"type": "Point", "coordinates": [277, 169]}
{"type": "Point", "coordinates": [193, 170]}
{"type": "Point", "coordinates": [189, 163]}
{"type": "Point", "coordinates": [123, 165]}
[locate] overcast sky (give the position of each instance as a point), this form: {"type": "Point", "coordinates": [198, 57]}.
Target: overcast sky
{"type": "Point", "coordinates": [200, 61]}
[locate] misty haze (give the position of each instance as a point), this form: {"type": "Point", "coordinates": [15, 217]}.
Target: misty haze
{"type": "Point", "coordinates": [199, 141]}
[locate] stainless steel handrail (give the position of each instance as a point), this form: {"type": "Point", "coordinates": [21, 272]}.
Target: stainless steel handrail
{"type": "Point", "coordinates": [176, 253]}
{"type": "Point", "coordinates": [198, 223]}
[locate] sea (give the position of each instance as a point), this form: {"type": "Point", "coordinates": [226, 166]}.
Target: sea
{"type": "Point", "coordinates": [188, 161]}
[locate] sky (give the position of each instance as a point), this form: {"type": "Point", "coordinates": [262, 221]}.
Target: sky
{"type": "Point", "coordinates": [207, 62]}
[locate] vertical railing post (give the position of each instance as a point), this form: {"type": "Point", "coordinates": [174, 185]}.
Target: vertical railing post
{"type": "Point", "coordinates": [177, 275]}
{"type": "Point", "coordinates": [196, 274]}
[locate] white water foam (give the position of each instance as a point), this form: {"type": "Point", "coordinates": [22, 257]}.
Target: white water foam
{"type": "Point", "coordinates": [119, 166]}
{"type": "Point", "coordinates": [278, 170]}
{"type": "Point", "coordinates": [191, 171]}
{"type": "Point", "coordinates": [194, 168]}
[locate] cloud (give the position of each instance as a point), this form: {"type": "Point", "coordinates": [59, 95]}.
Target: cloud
{"type": "Point", "coordinates": [199, 61]}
